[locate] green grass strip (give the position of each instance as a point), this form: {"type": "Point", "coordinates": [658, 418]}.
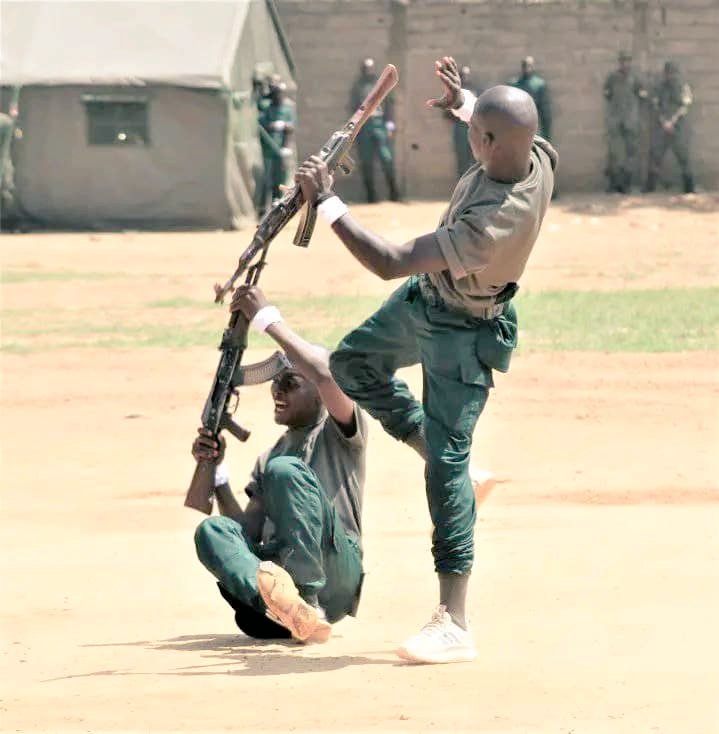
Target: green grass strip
{"type": "Point", "coordinates": [670, 320]}
{"type": "Point", "coordinates": [31, 276]}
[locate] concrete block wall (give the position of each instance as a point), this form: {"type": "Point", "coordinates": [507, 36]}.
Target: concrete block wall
{"type": "Point", "coordinates": [574, 42]}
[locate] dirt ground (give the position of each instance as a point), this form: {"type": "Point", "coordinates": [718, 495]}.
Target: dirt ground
{"type": "Point", "coordinates": [596, 589]}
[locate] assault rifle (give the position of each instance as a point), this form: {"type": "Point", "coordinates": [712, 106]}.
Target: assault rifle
{"type": "Point", "coordinates": [230, 375]}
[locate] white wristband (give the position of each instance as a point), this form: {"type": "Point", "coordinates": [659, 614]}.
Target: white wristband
{"type": "Point", "coordinates": [266, 316]}
{"type": "Point", "coordinates": [332, 209]}
{"type": "Point", "coordinates": [222, 475]}
{"type": "Point", "coordinates": [466, 111]}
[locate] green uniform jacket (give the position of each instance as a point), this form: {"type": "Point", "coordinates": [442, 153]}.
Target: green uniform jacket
{"type": "Point", "coordinates": [623, 92]}
{"type": "Point", "coordinates": [536, 87]}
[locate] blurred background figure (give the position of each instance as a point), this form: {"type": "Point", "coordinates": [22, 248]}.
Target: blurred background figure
{"type": "Point", "coordinates": [277, 127]}
{"type": "Point", "coordinates": [623, 91]}
{"type": "Point", "coordinates": [538, 89]}
{"type": "Point", "coordinates": [374, 140]}
{"type": "Point", "coordinates": [8, 125]}
{"type": "Point", "coordinates": [671, 101]}
{"type": "Point", "coordinates": [460, 141]}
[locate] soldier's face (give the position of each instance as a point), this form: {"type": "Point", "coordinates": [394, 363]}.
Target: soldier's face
{"type": "Point", "coordinates": [625, 66]}
{"type": "Point", "coordinates": [297, 402]}
{"type": "Point", "coordinates": [368, 67]}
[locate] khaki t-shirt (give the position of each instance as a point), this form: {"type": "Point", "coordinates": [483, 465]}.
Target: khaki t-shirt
{"type": "Point", "coordinates": [337, 460]}
{"type": "Point", "coordinates": [489, 229]}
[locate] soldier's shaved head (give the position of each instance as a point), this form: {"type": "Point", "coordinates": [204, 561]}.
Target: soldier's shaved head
{"type": "Point", "coordinates": [508, 108]}
{"type": "Point", "coordinates": [502, 129]}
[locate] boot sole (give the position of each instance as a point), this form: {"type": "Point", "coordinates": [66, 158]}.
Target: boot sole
{"type": "Point", "coordinates": [291, 611]}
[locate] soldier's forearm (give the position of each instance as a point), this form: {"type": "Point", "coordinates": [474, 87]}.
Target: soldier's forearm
{"type": "Point", "coordinates": [227, 503]}
{"type": "Point", "coordinates": [373, 251]}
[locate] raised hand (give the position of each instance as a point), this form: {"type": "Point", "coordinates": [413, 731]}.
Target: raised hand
{"type": "Point", "coordinates": [248, 299]}
{"type": "Point", "coordinates": [314, 178]}
{"type": "Point", "coordinates": [205, 448]}
{"type": "Point", "coordinates": [448, 72]}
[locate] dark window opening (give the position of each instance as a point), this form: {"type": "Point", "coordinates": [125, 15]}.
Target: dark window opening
{"type": "Point", "coordinates": [113, 121]}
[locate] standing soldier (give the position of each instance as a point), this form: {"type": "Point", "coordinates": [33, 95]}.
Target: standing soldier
{"type": "Point", "coordinates": [537, 88]}
{"type": "Point", "coordinates": [277, 127]}
{"type": "Point", "coordinates": [8, 202]}
{"type": "Point", "coordinates": [374, 138]}
{"type": "Point", "coordinates": [671, 100]}
{"type": "Point", "coordinates": [460, 139]}
{"type": "Point", "coordinates": [622, 90]}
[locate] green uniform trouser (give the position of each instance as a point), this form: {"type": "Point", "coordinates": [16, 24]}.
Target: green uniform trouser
{"type": "Point", "coordinates": [462, 149]}
{"type": "Point", "coordinates": [275, 176]}
{"type": "Point", "coordinates": [373, 141]}
{"type": "Point", "coordinates": [623, 143]}
{"type": "Point", "coordinates": [310, 543]}
{"type": "Point", "coordinates": [456, 352]}
{"type": "Point", "coordinates": [678, 141]}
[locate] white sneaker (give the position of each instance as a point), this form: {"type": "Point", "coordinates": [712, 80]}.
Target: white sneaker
{"type": "Point", "coordinates": [483, 482]}
{"type": "Point", "coordinates": [439, 641]}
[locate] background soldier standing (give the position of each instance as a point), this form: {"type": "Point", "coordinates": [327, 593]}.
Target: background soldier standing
{"type": "Point", "coordinates": [622, 90]}
{"type": "Point", "coordinates": [536, 87]}
{"type": "Point", "coordinates": [460, 140]}
{"type": "Point", "coordinates": [277, 127]}
{"type": "Point", "coordinates": [671, 100]}
{"type": "Point", "coordinates": [374, 138]}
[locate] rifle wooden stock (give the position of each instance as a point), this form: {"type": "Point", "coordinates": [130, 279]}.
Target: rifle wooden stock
{"type": "Point", "coordinates": [199, 495]}
{"type": "Point", "coordinates": [383, 86]}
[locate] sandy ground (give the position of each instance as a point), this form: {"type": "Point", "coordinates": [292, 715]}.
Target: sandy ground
{"type": "Point", "coordinates": [596, 590]}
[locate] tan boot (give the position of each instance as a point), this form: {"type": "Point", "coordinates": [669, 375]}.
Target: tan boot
{"type": "Point", "coordinates": [286, 606]}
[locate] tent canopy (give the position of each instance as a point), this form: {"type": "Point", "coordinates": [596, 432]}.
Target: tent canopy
{"type": "Point", "coordinates": [189, 44]}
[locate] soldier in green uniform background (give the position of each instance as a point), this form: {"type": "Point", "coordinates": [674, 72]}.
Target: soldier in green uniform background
{"type": "Point", "coordinates": [538, 89]}
{"type": "Point", "coordinates": [671, 100]}
{"type": "Point", "coordinates": [277, 127]}
{"type": "Point", "coordinates": [8, 204]}
{"type": "Point", "coordinates": [375, 137]}
{"type": "Point", "coordinates": [460, 140]}
{"type": "Point", "coordinates": [622, 91]}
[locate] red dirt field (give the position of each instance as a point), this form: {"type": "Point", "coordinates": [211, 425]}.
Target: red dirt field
{"type": "Point", "coordinates": [595, 594]}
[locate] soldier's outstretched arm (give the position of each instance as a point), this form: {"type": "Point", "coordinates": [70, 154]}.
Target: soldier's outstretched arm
{"type": "Point", "coordinates": [310, 360]}
{"type": "Point", "coordinates": [383, 258]}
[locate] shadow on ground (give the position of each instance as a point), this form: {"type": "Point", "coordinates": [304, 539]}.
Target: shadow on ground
{"type": "Point", "coordinates": [238, 655]}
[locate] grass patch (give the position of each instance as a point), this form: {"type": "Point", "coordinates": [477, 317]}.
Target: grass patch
{"type": "Point", "coordinates": [31, 276]}
{"type": "Point", "coordinates": [671, 320]}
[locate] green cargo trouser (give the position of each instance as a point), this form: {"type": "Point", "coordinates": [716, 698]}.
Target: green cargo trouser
{"type": "Point", "coordinates": [462, 149]}
{"type": "Point", "coordinates": [456, 352]}
{"type": "Point", "coordinates": [678, 141]}
{"type": "Point", "coordinates": [373, 141]}
{"type": "Point", "coordinates": [310, 543]}
{"type": "Point", "coordinates": [623, 144]}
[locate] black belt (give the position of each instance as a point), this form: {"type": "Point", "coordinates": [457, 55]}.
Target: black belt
{"type": "Point", "coordinates": [495, 306]}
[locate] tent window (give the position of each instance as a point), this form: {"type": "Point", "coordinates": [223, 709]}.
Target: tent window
{"type": "Point", "coordinates": [116, 122]}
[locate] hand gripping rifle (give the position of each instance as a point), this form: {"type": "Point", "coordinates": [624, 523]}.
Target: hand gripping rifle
{"type": "Point", "coordinates": [217, 413]}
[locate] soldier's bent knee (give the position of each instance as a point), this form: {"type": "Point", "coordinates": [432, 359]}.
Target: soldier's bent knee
{"type": "Point", "coordinates": [281, 469]}
{"type": "Point", "coordinates": [207, 530]}
{"type": "Point", "coordinates": [339, 359]}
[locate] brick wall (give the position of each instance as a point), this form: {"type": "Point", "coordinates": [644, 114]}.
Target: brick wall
{"type": "Point", "coordinates": [574, 42]}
